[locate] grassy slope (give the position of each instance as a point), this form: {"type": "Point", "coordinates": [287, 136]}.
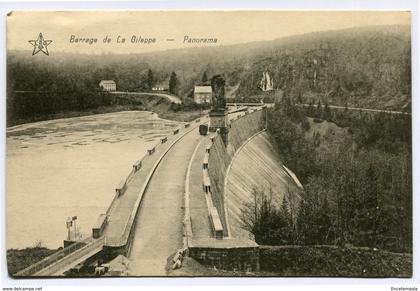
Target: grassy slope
{"type": "Point", "coordinates": [331, 134]}
{"type": "Point", "coordinates": [20, 259]}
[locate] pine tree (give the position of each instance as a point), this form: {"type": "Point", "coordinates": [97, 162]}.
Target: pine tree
{"type": "Point", "coordinates": [327, 112]}
{"type": "Point", "coordinates": [285, 208]}
{"type": "Point", "coordinates": [150, 80]}
{"type": "Point", "coordinates": [316, 139]}
{"type": "Point", "coordinates": [310, 110]}
{"type": "Point", "coordinates": [324, 223]}
{"type": "Point", "coordinates": [371, 198]}
{"type": "Point", "coordinates": [173, 84]}
{"type": "Point", "coordinates": [204, 79]}
{"type": "Point", "coordinates": [287, 105]}
{"type": "Point", "coordinates": [319, 109]}
{"type": "Point", "coordinates": [286, 218]}
{"type": "Point", "coordinates": [300, 98]}
{"type": "Point", "coordinates": [304, 223]}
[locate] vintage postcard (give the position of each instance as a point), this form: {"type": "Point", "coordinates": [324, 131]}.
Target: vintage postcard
{"type": "Point", "coordinates": [209, 143]}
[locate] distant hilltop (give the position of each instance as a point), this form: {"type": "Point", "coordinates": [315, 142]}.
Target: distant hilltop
{"type": "Point", "coordinates": [361, 67]}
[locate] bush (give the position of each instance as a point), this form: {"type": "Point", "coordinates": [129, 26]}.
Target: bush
{"type": "Point", "coordinates": [305, 124]}
{"type": "Point", "coordinates": [268, 223]}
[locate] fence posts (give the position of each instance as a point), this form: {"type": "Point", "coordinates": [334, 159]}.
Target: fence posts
{"type": "Point", "coordinates": [137, 166]}
{"type": "Point", "coordinates": [122, 186]}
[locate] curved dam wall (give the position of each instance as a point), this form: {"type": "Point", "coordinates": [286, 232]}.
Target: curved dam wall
{"type": "Point", "coordinates": [220, 156]}
{"type": "Point", "coordinates": [256, 166]}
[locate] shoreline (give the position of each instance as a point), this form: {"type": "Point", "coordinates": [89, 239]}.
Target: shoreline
{"type": "Point", "coordinates": [180, 116]}
{"type": "Point", "coordinates": [16, 127]}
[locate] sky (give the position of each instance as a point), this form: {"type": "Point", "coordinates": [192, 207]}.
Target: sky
{"type": "Point", "coordinates": [229, 27]}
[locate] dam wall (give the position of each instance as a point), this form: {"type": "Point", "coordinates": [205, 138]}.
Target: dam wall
{"type": "Point", "coordinates": [220, 156]}
{"type": "Point", "coordinates": [257, 167]}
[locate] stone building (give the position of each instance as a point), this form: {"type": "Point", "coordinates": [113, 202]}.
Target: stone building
{"type": "Point", "coordinates": [202, 94]}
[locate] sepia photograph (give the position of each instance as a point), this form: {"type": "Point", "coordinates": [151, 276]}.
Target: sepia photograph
{"type": "Point", "coordinates": [218, 143]}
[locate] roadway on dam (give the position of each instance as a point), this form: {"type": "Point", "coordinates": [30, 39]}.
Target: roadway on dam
{"type": "Point", "coordinates": [159, 228]}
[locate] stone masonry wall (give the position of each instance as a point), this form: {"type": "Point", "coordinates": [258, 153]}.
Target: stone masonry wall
{"type": "Point", "coordinates": [220, 156]}
{"type": "Point", "coordinates": [231, 259]}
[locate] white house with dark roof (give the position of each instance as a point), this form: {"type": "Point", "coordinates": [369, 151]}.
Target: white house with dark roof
{"type": "Point", "coordinates": [108, 85]}
{"type": "Point", "coordinates": [202, 94]}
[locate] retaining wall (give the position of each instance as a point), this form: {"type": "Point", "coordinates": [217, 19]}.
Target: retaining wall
{"type": "Point", "coordinates": [233, 259]}
{"type": "Point", "coordinates": [220, 156]}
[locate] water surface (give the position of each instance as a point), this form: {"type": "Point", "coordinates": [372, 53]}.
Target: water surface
{"type": "Point", "coordinates": [67, 167]}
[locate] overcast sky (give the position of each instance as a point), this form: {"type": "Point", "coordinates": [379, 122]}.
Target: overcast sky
{"type": "Point", "coordinates": [229, 27]}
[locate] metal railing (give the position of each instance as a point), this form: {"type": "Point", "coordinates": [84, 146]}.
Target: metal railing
{"type": "Point", "coordinates": [53, 258]}
{"type": "Point", "coordinates": [63, 262]}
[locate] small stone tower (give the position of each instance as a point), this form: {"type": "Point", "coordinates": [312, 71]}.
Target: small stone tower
{"type": "Point", "coordinates": [219, 113]}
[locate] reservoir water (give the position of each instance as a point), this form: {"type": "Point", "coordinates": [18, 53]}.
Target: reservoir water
{"type": "Point", "coordinates": [70, 167]}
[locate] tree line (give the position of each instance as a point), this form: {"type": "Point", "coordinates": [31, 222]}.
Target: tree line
{"type": "Point", "coordinates": [351, 66]}
{"type": "Point", "coordinates": [358, 190]}
{"type": "Point", "coordinates": [37, 88]}
{"type": "Point", "coordinates": [365, 68]}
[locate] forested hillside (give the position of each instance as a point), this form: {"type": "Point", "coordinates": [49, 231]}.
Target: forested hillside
{"type": "Point", "coordinates": [368, 67]}
{"type": "Point", "coordinates": [357, 177]}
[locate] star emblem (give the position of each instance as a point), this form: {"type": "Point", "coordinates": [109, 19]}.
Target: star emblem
{"type": "Point", "coordinates": [40, 45]}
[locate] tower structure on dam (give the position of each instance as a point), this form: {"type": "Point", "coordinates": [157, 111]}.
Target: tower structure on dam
{"type": "Point", "coordinates": [219, 113]}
